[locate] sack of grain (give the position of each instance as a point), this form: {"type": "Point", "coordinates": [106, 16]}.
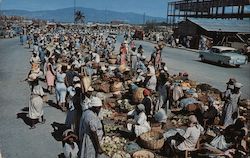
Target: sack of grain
{"type": "Point", "coordinates": [112, 61]}
{"type": "Point", "coordinates": [116, 86]}
{"type": "Point", "coordinates": [104, 87]}
{"type": "Point", "coordinates": [138, 95]}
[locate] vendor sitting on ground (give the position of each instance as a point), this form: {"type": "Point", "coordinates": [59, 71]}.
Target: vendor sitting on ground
{"type": "Point", "coordinates": [190, 139]}
{"type": "Point", "coordinates": [233, 136]}
{"type": "Point", "coordinates": [139, 124]}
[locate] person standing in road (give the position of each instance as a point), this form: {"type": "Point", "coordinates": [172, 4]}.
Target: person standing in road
{"type": "Point", "coordinates": [61, 88]}
{"type": "Point", "coordinates": [36, 104]}
{"type": "Point", "coordinates": [50, 75]}
{"type": "Point", "coordinates": [91, 131]}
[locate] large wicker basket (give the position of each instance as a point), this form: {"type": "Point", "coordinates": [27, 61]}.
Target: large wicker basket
{"type": "Point", "coordinates": [112, 61]}
{"type": "Point", "coordinates": [153, 140]}
{"type": "Point", "coordinates": [143, 154]}
{"type": "Point", "coordinates": [112, 56]}
{"type": "Point", "coordinates": [117, 86]}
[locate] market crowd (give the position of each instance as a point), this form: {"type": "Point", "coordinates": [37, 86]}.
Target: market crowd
{"type": "Point", "coordinates": [94, 78]}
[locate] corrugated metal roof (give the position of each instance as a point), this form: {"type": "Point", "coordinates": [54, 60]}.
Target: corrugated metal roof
{"type": "Point", "coordinates": [223, 25]}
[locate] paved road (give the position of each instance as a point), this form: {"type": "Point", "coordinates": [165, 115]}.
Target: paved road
{"type": "Point", "coordinates": [179, 60]}
{"type": "Point", "coordinates": [16, 139]}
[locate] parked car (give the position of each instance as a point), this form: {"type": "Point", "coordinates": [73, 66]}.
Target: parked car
{"type": "Point", "coordinates": [224, 56]}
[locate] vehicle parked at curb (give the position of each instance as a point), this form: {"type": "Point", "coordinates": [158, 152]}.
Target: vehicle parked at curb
{"type": "Point", "coordinates": [223, 56]}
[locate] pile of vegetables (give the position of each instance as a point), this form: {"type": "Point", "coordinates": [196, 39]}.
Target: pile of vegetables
{"type": "Point", "coordinates": [125, 106]}
{"type": "Point", "coordinates": [179, 120]}
{"type": "Point", "coordinates": [106, 113]}
{"type": "Point", "coordinates": [111, 128]}
{"type": "Point", "coordinates": [113, 147]}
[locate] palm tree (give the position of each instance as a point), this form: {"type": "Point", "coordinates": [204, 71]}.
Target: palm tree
{"type": "Point", "coordinates": [79, 17]}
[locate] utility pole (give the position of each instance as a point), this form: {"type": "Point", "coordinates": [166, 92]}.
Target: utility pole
{"type": "Point", "coordinates": [74, 12]}
{"type": "Point", "coordinates": [144, 17]}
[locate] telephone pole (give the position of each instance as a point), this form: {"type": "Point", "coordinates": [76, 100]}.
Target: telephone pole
{"type": "Point", "coordinates": [74, 12]}
{"type": "Point", "coordinates": [144, 17]}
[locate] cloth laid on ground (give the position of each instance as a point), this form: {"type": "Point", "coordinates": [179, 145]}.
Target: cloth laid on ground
{"type": "Point", "coordinates": [187, 101]}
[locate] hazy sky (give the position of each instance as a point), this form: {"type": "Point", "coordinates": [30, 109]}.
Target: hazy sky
{"type": "Point", "coordinates": [150, 7]}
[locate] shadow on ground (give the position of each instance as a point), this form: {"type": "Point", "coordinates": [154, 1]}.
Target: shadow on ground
{"type": "Point", "coordinates": [59, 128]}
{"type": "Point", "coordinates": [52, 104]}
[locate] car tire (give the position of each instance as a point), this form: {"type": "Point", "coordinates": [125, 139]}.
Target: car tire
{"type": "Point", "coordinates": [237, 65]}
{"type": "Point", "coordinates": [202, 58]}
{"type": "Point", "coordinates": [220, 62]}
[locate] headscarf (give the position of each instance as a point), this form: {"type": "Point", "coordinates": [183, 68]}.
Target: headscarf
{"type": "Point", "coordinates": [146, 92]}
{"type": "Point", "coordinates": [95, 102]}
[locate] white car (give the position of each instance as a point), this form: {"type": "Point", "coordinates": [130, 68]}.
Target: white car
{"type": "Point", "coordinates": [224, 56]}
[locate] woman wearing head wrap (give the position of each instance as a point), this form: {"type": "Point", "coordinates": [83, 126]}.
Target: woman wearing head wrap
{"type": "Point", "coordinates": [140, 124]}
{"type": "Point", "coordinates": [231, 105]}
{"type": "Point", "coordinates": [36, 106]}
{"type": "Point", "coordinates": [191, 136]}
{"type": "Point", "coordinates": [91, 130]}
{"type": "Point", "coordinates": [147, 102]}
{"type": "Point", "coordinates": [61, 88]}
{"type": "Point", "coordinates": [50, 75]}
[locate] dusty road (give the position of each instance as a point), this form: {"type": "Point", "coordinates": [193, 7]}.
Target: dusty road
{"type": "Point", "coordinates": [16, 139]}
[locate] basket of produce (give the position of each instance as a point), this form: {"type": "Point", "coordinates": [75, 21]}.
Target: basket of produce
{"type": "Point", "coordinates": [138, 95]}
{"type": "Point", "coordinates": [143, 154]}
{"type": "Point", "coordinates": [152, 140]}
{"type": "Point", "coordinates": [112, 61]}
{"type": "Point", "coordinates": [124, 105]}
{"type": "Point", "coordinates": [113, 145]}
{"type": "Point", "coordinates": [112, 56]}
{"type": "Point", "coordinates": [116, 86]}
{"type": "Point", "coordinates": [245, 103]}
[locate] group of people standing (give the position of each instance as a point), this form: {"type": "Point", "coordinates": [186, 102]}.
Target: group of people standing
{"type": "Point", "coordinates": [68, 60]}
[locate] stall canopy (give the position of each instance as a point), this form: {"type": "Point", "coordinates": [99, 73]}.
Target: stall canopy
{"type": "Point", "coordinates": [223, 25]}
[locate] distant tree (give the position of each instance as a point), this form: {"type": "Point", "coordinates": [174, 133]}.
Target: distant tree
{"type": "Point", "coordinates": [79, 17]}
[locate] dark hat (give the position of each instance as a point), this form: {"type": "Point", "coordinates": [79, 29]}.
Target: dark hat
{"type": "Point", "coordinates": [231, 81]}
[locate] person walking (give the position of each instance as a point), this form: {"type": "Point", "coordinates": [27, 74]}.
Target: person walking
{"type": "Point", "coordinates": [61, 88]}
{"type": "Point", "coordinates": [50, 75]}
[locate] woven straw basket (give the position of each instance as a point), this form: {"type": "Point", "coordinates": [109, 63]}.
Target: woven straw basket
{"type": "Point", "coordinates": [143, 154]}
{"type": "Point", "coordinates": [152, 140]}
{"type": "Point", "coordinates": [112, 61]}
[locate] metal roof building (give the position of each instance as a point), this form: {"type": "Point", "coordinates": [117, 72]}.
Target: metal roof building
{"type": "Point", "coordinates": [222, 25]}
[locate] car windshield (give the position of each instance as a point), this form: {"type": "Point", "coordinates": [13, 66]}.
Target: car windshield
{"type": "Point", "coordinates": [230, 51]}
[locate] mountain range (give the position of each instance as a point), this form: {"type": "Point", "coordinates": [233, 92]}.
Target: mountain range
{"type": "Point", "coordinates": [91, 15]}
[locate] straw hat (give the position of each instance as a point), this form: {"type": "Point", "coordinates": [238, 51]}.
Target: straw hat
{"type": "Point", "coordinates": [69, 134]}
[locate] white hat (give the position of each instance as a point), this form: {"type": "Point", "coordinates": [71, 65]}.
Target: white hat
{"type": "Point", "coordinates": [32, 77]}
{"type": "Point", "coordinates": [95, 102]}
{"type": "Point", "coordinates": [238, 85]}
{"type": "Point", "coordinates": [90, 89]}
{"type": "Point", "coordinates": [193, 119]}
{"type": "Point", "coordinates": [76, 78]}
